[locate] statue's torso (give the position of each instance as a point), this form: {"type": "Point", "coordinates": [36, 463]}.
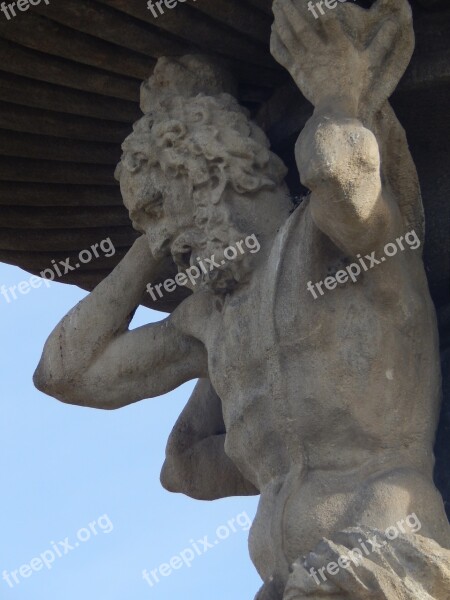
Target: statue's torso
{"type": "Point", "coordinates": [348, 378]}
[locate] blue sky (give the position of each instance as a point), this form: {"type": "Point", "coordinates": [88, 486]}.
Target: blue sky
{"type": "Point", "coordinates": [64, 467]}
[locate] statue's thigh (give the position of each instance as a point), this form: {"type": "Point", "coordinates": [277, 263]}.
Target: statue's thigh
{"type": "Point", "coordinates": [321, 505]}
{"type": "Point", "coordinates": [401, 499]}
{"type": "Point", "coordinates": [294, 513]}
{"type": "Point", "coordinates": [311, 510]}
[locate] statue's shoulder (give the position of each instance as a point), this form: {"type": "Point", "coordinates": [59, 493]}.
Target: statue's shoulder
{"type": "Point", "coordinates": [192, 315]}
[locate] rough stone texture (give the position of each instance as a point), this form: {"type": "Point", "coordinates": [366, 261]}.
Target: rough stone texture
{"type": "Point", "coordinates": [421, 103]}
{"type": "Point", "coordinates": [408, 567]}
{"type": "Point", "coordinates": [325, 406]}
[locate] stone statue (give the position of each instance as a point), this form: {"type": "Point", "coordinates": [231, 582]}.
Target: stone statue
{"type": "Point", "coordinates": [325, 404]}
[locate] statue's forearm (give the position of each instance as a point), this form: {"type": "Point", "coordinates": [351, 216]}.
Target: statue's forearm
{"type": "Point", "coordinates": [339, 161]}
{"type": "Point", "coordinates": [196, 463]}
{"type": "Point", "coordinates": [205, 472]}
{"type": "Point", "coordinates": [86, 330]}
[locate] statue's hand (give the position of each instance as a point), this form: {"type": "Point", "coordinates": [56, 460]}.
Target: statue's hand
{"type": "Point", "coordinates": [141, 259]}
{"type": "Point", "coordinates": [349, 57]}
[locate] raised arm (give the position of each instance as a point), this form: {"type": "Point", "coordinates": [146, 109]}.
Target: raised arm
{"type": "Point", "coordinates": [346, 62]}
{"type": "Point", "coordinates": [339, 161]}
{"type": "Point", "coordinates": [92, 359]}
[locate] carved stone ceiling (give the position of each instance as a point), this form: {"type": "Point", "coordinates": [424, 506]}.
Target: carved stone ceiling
{"type": "Point", "coordinates": [70, 74]}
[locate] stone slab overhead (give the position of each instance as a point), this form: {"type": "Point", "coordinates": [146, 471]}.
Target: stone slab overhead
{"type": "Point", "coordinates": [69, 92]}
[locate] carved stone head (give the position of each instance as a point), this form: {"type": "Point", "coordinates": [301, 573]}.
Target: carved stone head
{"type": "Point", "coordinates": [188, 159]}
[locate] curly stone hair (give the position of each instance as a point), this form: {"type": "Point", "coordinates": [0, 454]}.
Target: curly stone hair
{"type": "Point", "coordinates": [204, 139]}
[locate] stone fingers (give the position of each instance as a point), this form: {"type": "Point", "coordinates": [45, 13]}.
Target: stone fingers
{"type": "Point", "coordinates": [383, 44]}
{"type": "Point", "coordinates": [280, 52]}
{"type": "Point", "coordinates": [332, 565]}
{"type": "Point", "coordinates": [304, 25]}
{"type": "Point", "coordinates": [371, 543]}
{"type": "Point", "coordinates": [305, 584]}
{"type": "Point", "coordinates": [285, 29]}
{"type": "Point", "coordinates": [393, 7]}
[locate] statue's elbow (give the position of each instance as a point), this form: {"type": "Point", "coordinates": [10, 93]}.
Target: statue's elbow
{"type": "Point", "coordinates": [49, 381]}
{"type": "Point", "coordinates": [44, 379]}
{"type": "Point", "coordinates": [178, 480]}
{"type": "Point", "coordinates": [170, 478]}
{"type": "Point", "coordinates": [331, 153]}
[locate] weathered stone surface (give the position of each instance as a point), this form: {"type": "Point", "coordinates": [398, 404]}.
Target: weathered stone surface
{"type": "Point", "coordinates": [325, 402]}
{"type": "Point", "coordinates": [421, 104]}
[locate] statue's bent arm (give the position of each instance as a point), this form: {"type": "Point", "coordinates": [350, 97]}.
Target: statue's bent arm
{"type": "Point", "coordinates": [347, 63]}
{"type": "Point", "coordinates": [196, 463]}
{"type": "Point", "coordinates": [339, 161]}
{"type": "Point", "coordinates": [91, 358]}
